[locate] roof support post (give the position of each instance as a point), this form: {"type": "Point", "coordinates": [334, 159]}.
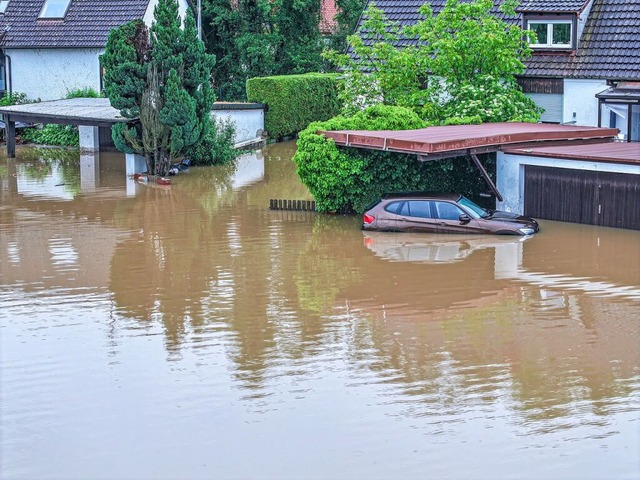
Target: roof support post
{"type": "Point", "coordinates": [486, 177]}
{"type": "Point", "coordinates": [10, 133]}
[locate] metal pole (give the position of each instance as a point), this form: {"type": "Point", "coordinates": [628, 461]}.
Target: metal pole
{"type": "Point", "coordinates": [199, 19]}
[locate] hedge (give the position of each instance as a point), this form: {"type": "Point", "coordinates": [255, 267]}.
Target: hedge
{"type": "Point", "coordinates": [343, 179]}
{"type": "Point", "coordinates": [294, 101]}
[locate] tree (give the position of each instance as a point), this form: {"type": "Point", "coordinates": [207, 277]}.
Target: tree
{"type": "Point", "coordinates": [455, 67]}
{"type": "Point", "coordinates": [161, 75]}
{"type": "Point", "coordinates": [260, 38]}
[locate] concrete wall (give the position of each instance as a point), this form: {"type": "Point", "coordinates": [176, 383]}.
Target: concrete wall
{"type": "Point", "coordinates": [249, 122]}
{"type": "Point", "coordinates": [510, 175]}
{"type": "Point", "coordinates": [580, 99]}
{"type": "Point", "coordinates": [50, 73]}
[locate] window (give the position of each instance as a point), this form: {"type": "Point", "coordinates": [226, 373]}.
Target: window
{"type": "Point", "coordinates": [448, 211]}
{"type": "Point", "coordinates": [420, 208]}
{"type": "Point", "coordinates": [551, 33]}
{"type": "Point", "coordinates": [54, 8]}
{"type": "Point", "coordinates": [3, 5]}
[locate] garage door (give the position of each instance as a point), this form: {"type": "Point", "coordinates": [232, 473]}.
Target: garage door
{"type": "Point", "coordinates": [595, 198]}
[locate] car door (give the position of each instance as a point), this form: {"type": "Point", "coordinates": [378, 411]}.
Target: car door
{"type": "Point", "coordinates": [448, 219]}
{"type": "Point", "coordinates": [417, 216]}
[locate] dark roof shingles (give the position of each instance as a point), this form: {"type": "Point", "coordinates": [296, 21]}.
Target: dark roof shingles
{"type": "Point", "coordinates": [608, 49]}
{"type": "Point", "coordinates": [86, 24]}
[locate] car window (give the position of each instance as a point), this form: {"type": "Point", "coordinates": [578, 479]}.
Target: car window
{"type": "Point", "coordinates": [393, 207]}
{"type": "Point", "coordinates": [420, 208]}
{"type": "Point", "coordinates": [448, 211]}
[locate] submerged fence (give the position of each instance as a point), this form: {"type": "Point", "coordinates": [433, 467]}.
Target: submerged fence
{"type": "Point", "coordinates": [297, 205]}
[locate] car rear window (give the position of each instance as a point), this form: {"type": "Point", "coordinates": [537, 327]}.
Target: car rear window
{"type": "Point", "coordinates": [394, 207]}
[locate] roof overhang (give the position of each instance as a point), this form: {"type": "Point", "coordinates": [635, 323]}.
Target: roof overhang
{"type": "Point", "coordinates": [433, 143]}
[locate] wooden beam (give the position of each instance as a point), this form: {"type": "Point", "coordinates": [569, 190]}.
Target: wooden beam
{"type": "Point", "coordinates": [486, 177]}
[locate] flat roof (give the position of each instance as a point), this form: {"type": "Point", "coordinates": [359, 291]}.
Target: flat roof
{"type": "Point", "coordinates": [485, 137]}
{"type": "Point", "coordinates": [74, 111]}
{"type": "Point", "coordinates": [615, 152]}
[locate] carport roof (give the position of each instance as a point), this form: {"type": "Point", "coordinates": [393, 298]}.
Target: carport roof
{"type": "Point", "coordinates": [448, 141]}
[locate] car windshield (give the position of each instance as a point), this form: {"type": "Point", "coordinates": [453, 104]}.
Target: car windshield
{"type": "Point", "coordinates": [476, 211]}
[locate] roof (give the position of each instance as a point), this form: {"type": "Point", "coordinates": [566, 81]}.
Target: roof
{"type": "Point", "coordinates": [555, 6]}
{"type": "Point", "coordinates": [76, 111]}
{"type": "Point", "coordinates": [86, 24]}
{"type": "Point", "coordinates": [609, 47]}
{"type": "Point", "coordinates": [458, 138]}
{"type": "Point", "coordinates": [616, 152]}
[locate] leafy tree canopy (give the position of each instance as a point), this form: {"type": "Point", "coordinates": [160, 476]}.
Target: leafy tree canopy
{"type": "Point", "coordinates": [262, 38]}
{"type": "Point", "coordinates": [161, 75]}
{"type": "Point", "coordinates": [455, 67]}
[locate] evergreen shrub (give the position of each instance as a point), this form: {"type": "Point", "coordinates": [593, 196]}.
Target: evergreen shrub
{"type": "Point", "coordinates": [346, 180]}
{"type": "Point", "coordinates": [294, 101]}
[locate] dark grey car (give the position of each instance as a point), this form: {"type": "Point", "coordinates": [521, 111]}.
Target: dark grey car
{"type": "Point", "coordinates": [442, 213]}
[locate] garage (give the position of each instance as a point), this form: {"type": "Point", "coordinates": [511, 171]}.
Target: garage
{"type": "Point", "coordinates": [582, 196]}
{"type": "Point", "coordinates": [589, 183]}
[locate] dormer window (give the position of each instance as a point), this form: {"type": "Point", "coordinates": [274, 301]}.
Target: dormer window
{"type": "Point", "coordinates": [551, 33]}
{"type": "Point", "coordinates": [3, 6]}
{"type": "Point", "coordinates": [54, 9]}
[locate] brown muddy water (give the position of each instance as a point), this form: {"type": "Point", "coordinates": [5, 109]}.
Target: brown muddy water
{"type": "Point", "coordinates": [192, 333]}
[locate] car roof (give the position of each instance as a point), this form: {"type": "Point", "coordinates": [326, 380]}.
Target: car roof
{"type": "Point", "coordinates": [421, 195]}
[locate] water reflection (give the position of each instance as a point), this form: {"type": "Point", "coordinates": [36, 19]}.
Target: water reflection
{"type": "Point", "coordinates": [207, 316]}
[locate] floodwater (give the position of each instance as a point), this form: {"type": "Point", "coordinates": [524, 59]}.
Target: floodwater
{"type": "Point", "coordinates": [190, 332]}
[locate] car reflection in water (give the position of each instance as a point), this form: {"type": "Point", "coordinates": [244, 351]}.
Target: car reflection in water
{"type": "Point", "coordinates": [432, 248]}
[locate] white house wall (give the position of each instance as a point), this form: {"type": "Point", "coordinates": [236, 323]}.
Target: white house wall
{"type": "Point", "coordinates": [580, 104]}
{"type": "Point", "coordinates": [50, 73]}
{"type": "Point", "coordinates": [510, 175]}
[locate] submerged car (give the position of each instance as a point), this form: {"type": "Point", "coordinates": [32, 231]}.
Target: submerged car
{"type": "Point", "coordinates": [441, 213]}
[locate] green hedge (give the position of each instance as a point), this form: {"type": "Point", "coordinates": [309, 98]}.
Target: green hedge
{"type": "Point", "coordinates": [343, 179]}
{"type": "Point", "coordinates": [294, 101]}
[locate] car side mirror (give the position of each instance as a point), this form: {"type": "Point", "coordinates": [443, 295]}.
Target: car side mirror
{"type": "Point", "coordinates": [464, 218]}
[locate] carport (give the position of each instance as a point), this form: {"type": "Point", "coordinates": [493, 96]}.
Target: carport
{"type": "Point", "coordinates": [437, 143]}
{"type": "Point", "coordinates": [90, 114]}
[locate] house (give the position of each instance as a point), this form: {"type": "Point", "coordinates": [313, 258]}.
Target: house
{"type": "Point", "coordinates": [585, 67]}
{"type": "Point", "coordinates": [51, 47]}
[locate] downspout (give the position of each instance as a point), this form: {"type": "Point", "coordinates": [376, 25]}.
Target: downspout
{"type": "Point", "coordinates": [7, 71]}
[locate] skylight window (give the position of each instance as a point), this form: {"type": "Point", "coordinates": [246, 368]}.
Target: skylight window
{"type": "Point", "coordinates": [54, 8]}
{"type": "Point", "coordinates": [3, 5]}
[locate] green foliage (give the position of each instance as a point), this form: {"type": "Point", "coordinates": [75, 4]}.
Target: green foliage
{"type": "Point", "coordinates": [161, 75]}
{"type": "Point", "coordinates": [346, 18]}
{"type": "Point", "coordinates": [460, 63]}
{"type": "Point", "coordinates": [347, 179]}
{"type": "Point", "coordinates": [260, 38]}
{"type": "Point", "coordinates": [217, 147]}
{"type": "Point", "coordinates": [295, 100]}
{"type": "Point", "coordinates": [14, 99]}
{"type": "Point", "coordinates": [52, 134]}
{"type": "Point", "coordinates": [86, 92]}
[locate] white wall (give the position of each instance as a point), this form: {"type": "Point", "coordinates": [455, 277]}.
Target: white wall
{"type": "Point", "coordinates": [50, 73]}
{"type": "Point", "coordinates": [510, 175]}
{"type": "Point", "coordinates": [249, 123]}
{"type": "Point", "coordinates": [580, 98]}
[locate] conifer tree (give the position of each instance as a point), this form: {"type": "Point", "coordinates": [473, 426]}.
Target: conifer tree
{"type": "Point", "coordinates": [161, 75]}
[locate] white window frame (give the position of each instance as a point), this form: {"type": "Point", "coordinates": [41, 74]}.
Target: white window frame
{"type": "Point", "coordinates": [550, 24]}
{"type": "Point", "coordinates": [3, 6]}
{"type": "Point", "coordinates": [45, 13]}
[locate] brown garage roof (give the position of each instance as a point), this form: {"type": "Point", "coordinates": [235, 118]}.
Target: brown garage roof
{"type": "Point", "coordinates": [436, 141]}
{"type": "Point", "coordinates": [616, 152]}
